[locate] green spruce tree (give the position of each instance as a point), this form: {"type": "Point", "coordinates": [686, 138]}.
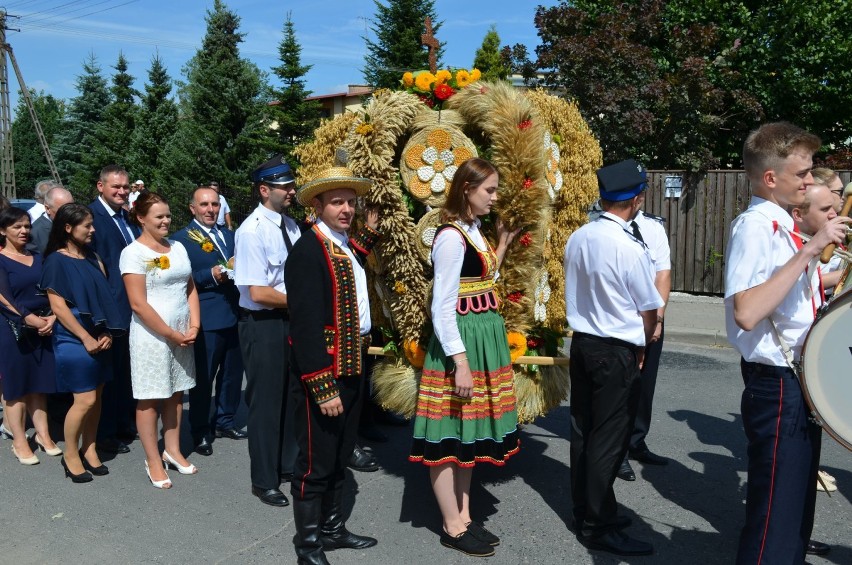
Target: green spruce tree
{"type": "Point", "coordinates": [77, 139]}
{"type": "Point", "coordinates": [155, 126]}
{"type": "Point", "coordinates": [30, 163]}
{"type": "Point", "coordinates": [488, 59]}
{"type": "Point", "coordinates": [222, 130]}
{"type": "Point", "coordinates": [119, 120]}
{"type": "Point", "coordinates": [398, 27]}
{"type": "Point", "coordinates": [294, 118]}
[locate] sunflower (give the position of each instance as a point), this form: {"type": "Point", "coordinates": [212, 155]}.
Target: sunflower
{"type": "Point", "coordinates": [463, 78]}
{"type": "Point", "coordinates": [423, 81]}
{"type": "Point", "coordinates": [475, 75]}
{"type": "Point", "coordinates": [442, 76]}
{"type": "Point", "coordinates": [207, 247]}
{"type": "Point", "coordinates": [407, 80]}
{"type": "Point", "coordinates": [415, 354]}
{"type": "Point", "coordinates": [517, 345]}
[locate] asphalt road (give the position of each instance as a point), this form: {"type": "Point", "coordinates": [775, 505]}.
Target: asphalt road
{"type": "Point", "coordinates": [691, 510]}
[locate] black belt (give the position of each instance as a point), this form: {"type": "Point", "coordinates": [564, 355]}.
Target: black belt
{"type": "Point", "coordinates": [608, 340]}
{"type": "Point", "coordinates": [276, 314]}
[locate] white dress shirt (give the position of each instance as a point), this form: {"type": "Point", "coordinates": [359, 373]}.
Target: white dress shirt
{"type": "Point", "coordinates": [342, 241]}
{"type": "Point", "coordinates": [609, 280]}
{"type": "Point", "coordinates": [654, 233]}
{"type": "Point", "coordinates": [447, 258]}
{"type": "Point", "coordinates": [756, 250]}
{"type": "Point", "coordinates": [36, 211]}
{"type": "Point", "coordinates": [260, 253]}
{"type": "Point", "coordinates": [223, 209]}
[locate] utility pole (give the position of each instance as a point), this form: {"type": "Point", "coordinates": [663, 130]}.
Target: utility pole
{"type": "Point", "coordinates": [7, 158]}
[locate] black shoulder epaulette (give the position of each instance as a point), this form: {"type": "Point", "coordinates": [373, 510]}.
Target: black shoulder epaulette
{"type": "Point", "coordinates": [660, 219]}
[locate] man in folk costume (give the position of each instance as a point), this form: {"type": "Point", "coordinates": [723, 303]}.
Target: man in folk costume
{"type": "Point", "coordinates": [329, 324]}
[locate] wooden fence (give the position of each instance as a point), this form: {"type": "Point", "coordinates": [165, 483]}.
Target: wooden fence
{"type": "Point", "coordinates": [698, 221]}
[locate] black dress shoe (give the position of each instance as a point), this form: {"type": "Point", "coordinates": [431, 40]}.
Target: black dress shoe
{"type": "Point", "coordinates": [362, 461]}
{"type": "Point", "coordinates": [467, 544]}
{"type": "Point", "coordinates": [112, 445]}
{"type": "Point", "coordinates": [625, 472]}
{"type": "Point", "coordinates": [232, 433]}
{"type": "Point", "coordinates": [343, 538]}
{"type": "Point", "coordinates": [372, 433]}
{"type": "Point", "coordinates": [204, 447]}
{"type": "Point", "coordinates": [645, 456]}
{"type": "Point", "coordinates": [272, 497]}
{"type": "Point", "coordinates": [617, 542]}
{"type": "Point", "coordinates": [621, 522]}
{"type": "Point", "coordinates": [817, 548]}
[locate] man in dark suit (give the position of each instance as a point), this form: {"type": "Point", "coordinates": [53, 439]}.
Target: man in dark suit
{"type": "Point", "coordinates": [113, 232]}
{"type": "Point", "coordinates": [55, 198]}
{"type": "Point", "coordinates": [218, 344]}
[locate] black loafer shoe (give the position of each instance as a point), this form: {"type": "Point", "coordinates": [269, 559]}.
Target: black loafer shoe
{"type": "Point", "coordinates": [625, 472]}
{"type": "Point", "coordinates": [621, 522]}
{"type": "Point", "coordinates": [204, 447]}
{"type": "Point", "coordinates": [272, 497]}
{"type": "Point", "coordinates": [112, 445]}
{"type": "Point", "coordinates": [482, 534]}
{"type": "Point", "coordinates": [362, 461]}
{"type": "Point", "coordinates": [343, 538]}
{"type": "Point", "coordinates": [617, 542]}
{"type": "Point", "coordinates": [232, 433]}
{"type": "Point", "coordinates": [817, 548]}
{"type": "Point", "coordinates": [645, 456]}
{"type": "Point", "coordinates": [467, 544]}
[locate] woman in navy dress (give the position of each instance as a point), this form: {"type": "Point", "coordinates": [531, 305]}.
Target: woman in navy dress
{"type": "Point", "coordinates": [75, 281]}
{"type": "Point", "coordinates": [27, 360]}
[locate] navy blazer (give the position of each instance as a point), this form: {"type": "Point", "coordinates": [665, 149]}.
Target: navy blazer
{"type": "Point", "coordinates": [219, 302]}
{"type": "Point", "coordinates": [108, 242]}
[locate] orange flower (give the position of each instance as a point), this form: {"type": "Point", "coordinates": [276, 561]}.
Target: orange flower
{"type": "Point", "coordinates": [415, 354]}
{"type": "Point", "coordinates": [517, 344]}
{"type": "Point", "coordinates": [475, 75]}
{"type": "Point", "coordinates": [407, 80]}
{"type": "Point", "coordinates": [207, 247]}
{"type": "Point", "coordinates": [463, 78]}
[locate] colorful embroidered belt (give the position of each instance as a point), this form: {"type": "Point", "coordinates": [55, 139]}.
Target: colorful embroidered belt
{"type": "Point", "coordinates": [476, 295]}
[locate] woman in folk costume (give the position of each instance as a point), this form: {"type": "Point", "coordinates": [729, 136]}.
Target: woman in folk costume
{"type": "Point", "coordinates": [466, 404]}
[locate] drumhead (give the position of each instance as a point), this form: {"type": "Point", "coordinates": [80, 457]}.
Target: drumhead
{"type": "Point", "coordinates": [827, 369]}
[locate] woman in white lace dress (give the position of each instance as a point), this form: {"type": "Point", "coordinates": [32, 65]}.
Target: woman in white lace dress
{"type": "Point", "coordinates": [166, 319]}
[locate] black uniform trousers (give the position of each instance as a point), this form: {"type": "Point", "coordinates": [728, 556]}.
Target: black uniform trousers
{"type": "Point", "coordinates": [325, 442]}
{"type": "Point", "coordinates": [646, 396]}
{"type": "Point", "coordinates": [783, 456]}
{"type": "Point", "coordinates": [604, 396]}
{"type": "Point", "coordinates": [217, 352]}
{"type": "Point", "coordinates": [266, 353]}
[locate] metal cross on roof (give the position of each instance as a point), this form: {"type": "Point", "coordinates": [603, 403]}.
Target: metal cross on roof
{"type": "Point", "coordinates": [429, 40]}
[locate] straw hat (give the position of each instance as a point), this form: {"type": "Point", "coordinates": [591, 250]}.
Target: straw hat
{"type": "Point", "coordinates": [335, 177]}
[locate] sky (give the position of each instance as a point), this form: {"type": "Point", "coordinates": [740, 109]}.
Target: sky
{"type": "Point", "coordinates": [56, 36]}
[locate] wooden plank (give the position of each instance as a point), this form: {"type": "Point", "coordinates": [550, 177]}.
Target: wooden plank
{"type": "Point", "coordinates": [721, 227]}
{"type": "Point", "coordinates": [699, 235]}
{"type": "Point", "coordinates": [688, 216]}
{"type": "Point", "coordinates": [676, 246]}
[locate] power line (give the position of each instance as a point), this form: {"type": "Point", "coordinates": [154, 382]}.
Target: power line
{"type": "Point", "coordinates": [48, 10]}
{"type": "Point", "coordinates": [46, 15]}
{"type": "Point", "coordinates": [43, 25]}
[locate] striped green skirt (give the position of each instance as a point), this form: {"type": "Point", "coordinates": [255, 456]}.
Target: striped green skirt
{"type": "Point", "coordinates": [465, 431]}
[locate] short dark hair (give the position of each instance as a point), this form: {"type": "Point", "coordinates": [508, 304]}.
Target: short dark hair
{"type": "Point", "coordinates": [771, 143]}
{"type": "Point", "coordinates": [8, 217]}
{"type": "Point", "coordinates": [470, 174]}
{"type": "Point", "coordinates": [112, 170]}
{"type": "Point", "coordinates": [72, 214]}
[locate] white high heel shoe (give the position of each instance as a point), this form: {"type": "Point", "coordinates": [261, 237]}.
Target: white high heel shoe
{"type": "Point", "coordinates": [167, 483]}
{"type": "Point", "coordinates": [169, 461]}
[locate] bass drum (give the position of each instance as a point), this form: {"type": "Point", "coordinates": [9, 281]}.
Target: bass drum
{"type": "Point", "coordinates": [826, 374]}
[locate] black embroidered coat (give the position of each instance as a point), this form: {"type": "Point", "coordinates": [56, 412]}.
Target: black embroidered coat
{"type": "Point", "coordinates": [324, 328]}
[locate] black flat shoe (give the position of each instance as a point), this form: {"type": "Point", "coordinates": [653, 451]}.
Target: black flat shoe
{"type": "Point", "coordinates": [467, 544]}
{"type": "Point", "coordinates": [272, 497]}
{"type": "Point", "coordinates": [84, 477]}
{"type": "Point", "coordinates": [479, 532]}
{"type": "Point", "coordinates": [647, 457]}
{"type": "Point", "coordinates": [98, 471]}
{"type": "Point", "coordinates": [204, 447]}
{"type": "Point", "coordinates": [363, 461]}
{"type": "Point", "coordinates": [817, 548]}
{"type": "Point", "coordinates": [232, 433]}
{"type": "Point", "coordinates": [625, 472]}
{"type": "Point", "coordinates": [343, 538]}
{"type": "Point", "coordinates": [617, 542]}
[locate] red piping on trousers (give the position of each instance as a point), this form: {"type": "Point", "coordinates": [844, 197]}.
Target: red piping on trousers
{"type": "Point", "coordinates": [310, 455]}
{"type": "Point", "coordinates": [772, 481]}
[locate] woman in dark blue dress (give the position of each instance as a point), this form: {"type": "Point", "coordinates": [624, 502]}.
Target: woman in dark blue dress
{"type": "Point", "coordinates": [25, 328]}
{"type": "Point", "coordinates": [75, 282]}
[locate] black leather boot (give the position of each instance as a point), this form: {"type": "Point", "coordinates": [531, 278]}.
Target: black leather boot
{"type": "Point", "coordinates": [333, 533]}
{"type": "Point", "coordinates": [307, 515]}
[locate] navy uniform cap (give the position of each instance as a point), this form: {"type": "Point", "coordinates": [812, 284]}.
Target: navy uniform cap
{"type": "Point", "coordinates": [621, 181]}
{"type": "Point", "coordinates": [274, 171]}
